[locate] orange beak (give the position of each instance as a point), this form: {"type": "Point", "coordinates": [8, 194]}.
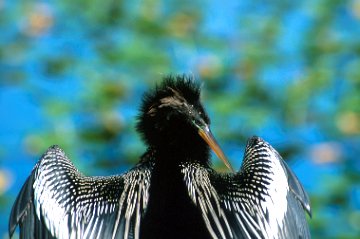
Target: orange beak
{"type": "Point", "coordinates": [208, 137]}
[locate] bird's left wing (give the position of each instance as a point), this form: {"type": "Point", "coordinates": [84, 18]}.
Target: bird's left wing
{"type": "Point", "coordinates": [57, 201]}
{"type": "Point", "coordinates": [263, 200]}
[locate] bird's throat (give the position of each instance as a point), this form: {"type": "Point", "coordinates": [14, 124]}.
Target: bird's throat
{"type": "Point", "coordinates": [174, 155]}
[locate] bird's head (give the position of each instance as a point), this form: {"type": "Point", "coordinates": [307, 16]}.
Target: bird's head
{"type": "Point", "coordinates": [173, 118]}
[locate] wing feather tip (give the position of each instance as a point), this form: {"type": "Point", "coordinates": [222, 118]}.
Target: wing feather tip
{"type": "Point", "coordinates": [308, 210]}
{"type": "Point", "coordinates": [54, 147]}
{"type": "Point", "coordinates": [254, 140]}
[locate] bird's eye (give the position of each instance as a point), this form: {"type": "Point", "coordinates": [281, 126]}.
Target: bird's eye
{"type": "Point", "coordinates": [196, 122]}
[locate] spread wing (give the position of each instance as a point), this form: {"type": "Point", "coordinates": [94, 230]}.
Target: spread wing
{"type": "Point", "coordinates": [263, 200]}
{"type": "Point", "coordinates": [57, 201]}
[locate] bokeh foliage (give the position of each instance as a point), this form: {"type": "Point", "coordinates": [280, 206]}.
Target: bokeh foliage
{"type": "Point", "coordinates": [73, 73]}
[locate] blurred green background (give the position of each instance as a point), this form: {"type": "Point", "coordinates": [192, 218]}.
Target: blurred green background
{"type": "Point", "coordinates": [72, 73]}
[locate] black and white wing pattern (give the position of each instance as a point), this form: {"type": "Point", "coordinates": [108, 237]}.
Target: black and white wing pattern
{"type": "Point", "coordinates": [57, 201]}
{"type": "Point", "coordinates": [263, 200]}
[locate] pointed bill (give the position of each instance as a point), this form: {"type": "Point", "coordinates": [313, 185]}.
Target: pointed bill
{"type": "Point", "coordinates": [207, 136]}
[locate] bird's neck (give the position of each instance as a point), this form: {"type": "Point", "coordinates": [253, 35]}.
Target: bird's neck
{"type": "Point", "coordinates": [170, 155]}
{"type": "Point", "coordinates": [170, 209]}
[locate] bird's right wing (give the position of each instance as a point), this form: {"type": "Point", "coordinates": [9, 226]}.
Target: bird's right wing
{"type": "Point", "coordinates": [57, 201]}
{"type": "Point", "coordinates": [263, 200]}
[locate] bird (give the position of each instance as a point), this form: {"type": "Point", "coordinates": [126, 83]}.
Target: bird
{"type": "Point", "coordinates": [173, 191]}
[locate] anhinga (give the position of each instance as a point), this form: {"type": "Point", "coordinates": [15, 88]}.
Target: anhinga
{"type": "Point", "coordinates": [172, 192]}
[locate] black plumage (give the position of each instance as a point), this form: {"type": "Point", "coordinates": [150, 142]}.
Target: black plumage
{"type": "Point", "coordinates": [172, 192]}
